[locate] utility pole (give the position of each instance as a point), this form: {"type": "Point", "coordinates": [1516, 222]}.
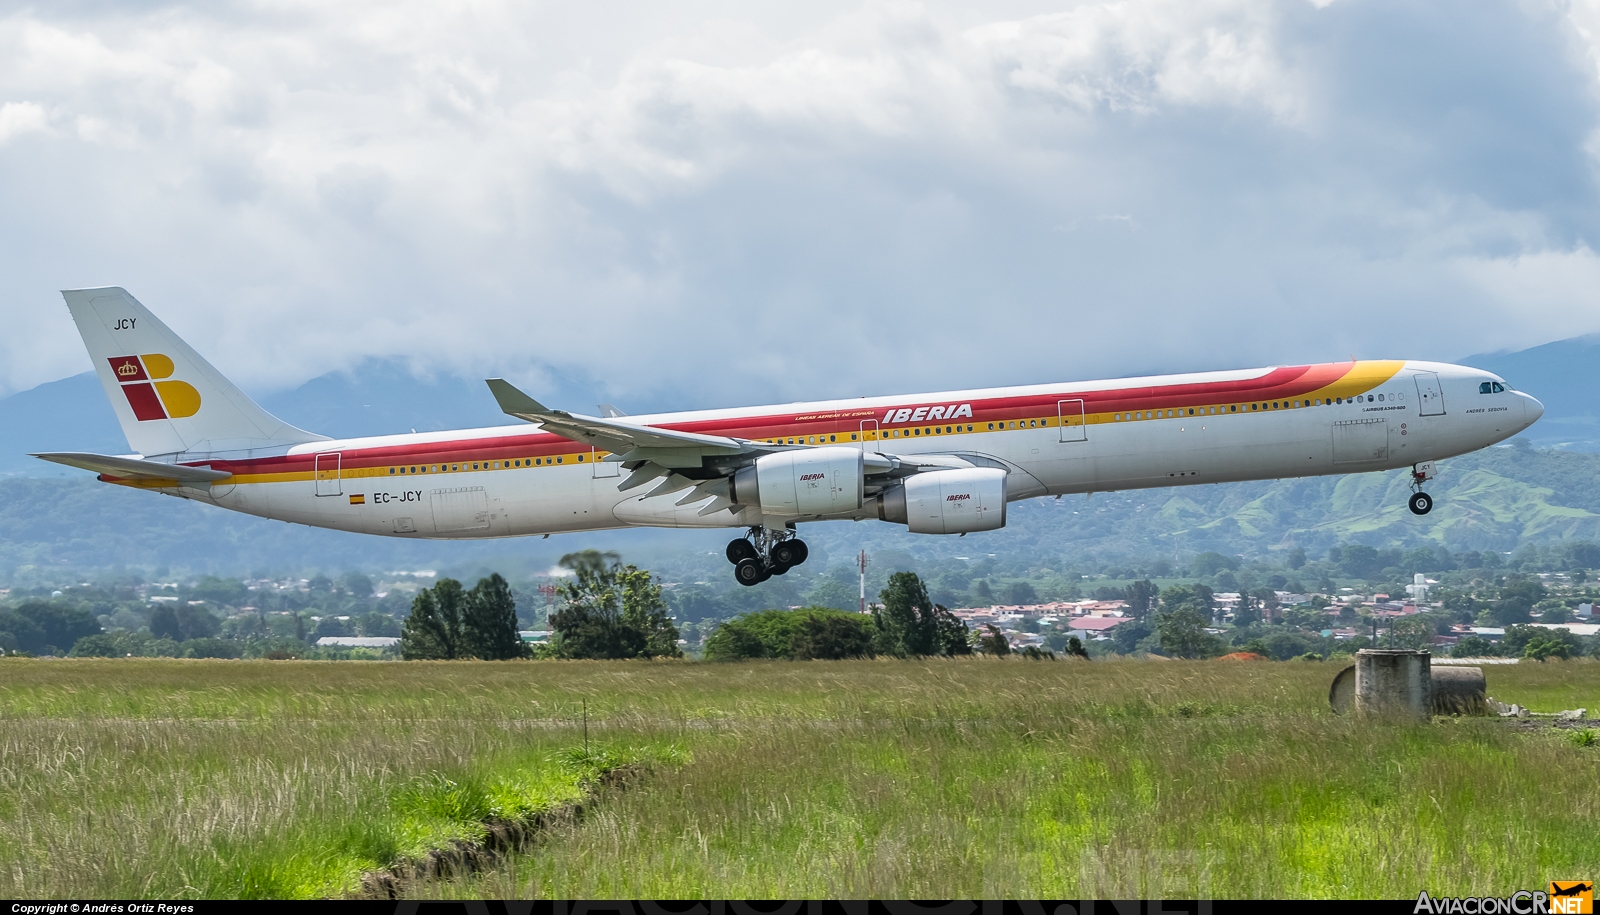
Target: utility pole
{"type": "Point", "coordinates": [861, 563]}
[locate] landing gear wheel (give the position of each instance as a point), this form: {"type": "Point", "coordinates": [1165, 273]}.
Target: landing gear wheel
{"type": "Point", "coordinates": [777, 568]}
{"type": "Point", "coordinates": [1421, 503]}
{"type": "Point", "coordinates": [749, 571]}
{"type": "Point", "coordinates": [740, 550]}
{"type": "Point", "coordinates": [788, 553]}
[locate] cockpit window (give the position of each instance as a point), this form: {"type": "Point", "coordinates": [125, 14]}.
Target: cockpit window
{"type": "Point", "coordinates": [1491, 387]}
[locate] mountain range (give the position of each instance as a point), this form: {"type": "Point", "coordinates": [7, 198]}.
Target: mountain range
{"type": "Point", "coordinates": [1542, 487]}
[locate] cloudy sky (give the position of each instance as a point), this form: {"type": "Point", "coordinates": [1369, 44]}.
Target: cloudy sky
{"type": "Point", "coordinates": [705, 203]}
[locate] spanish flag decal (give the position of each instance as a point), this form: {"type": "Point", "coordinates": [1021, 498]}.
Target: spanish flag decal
{"type": "Point", "coordinates": [358, 500]}
{"type": "Point", "coordinates": [145, 383]}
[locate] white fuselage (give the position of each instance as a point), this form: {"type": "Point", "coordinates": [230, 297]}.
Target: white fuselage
{"type": "Point", "coordinates": [1051, 439]}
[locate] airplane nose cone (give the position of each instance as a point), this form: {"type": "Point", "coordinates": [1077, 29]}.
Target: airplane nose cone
{"type": "Point", "coordinates": [1532, 409]}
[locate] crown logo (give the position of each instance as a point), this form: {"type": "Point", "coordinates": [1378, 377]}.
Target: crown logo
{"type": "Point", "coordinates": [127, 368]}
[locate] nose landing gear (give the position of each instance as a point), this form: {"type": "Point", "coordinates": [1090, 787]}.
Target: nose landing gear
{"type": "Point", "coordinates": [764, 553]}
{"type": "Point", "coordinates": [1420, 502]}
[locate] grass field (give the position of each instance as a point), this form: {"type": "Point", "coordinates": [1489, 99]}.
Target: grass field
{"type": "Point", "coordinates": [129, 778]}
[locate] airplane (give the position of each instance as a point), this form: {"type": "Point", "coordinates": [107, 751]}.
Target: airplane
{"type": "Point", "coordinates": [941, 463]}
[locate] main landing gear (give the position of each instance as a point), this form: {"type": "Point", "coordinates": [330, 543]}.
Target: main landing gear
{"type": "Point", "coordinates": [1420, 502]}
{"type": "Point", "coordinates": [764, 553]}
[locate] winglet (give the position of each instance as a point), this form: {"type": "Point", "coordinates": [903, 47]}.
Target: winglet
{"type": "Point", "coordinates": [513, 401]}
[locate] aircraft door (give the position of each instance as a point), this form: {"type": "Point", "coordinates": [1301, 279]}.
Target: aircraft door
{"type": "Point", "coordinates": [1430, 397]}
{"type": "Point", "coordinates": [869, 433]}
{"type": "Point", "coordinates": [326, 471]}
{"type": "Point", "coordinates": [604, 469]}
{"type": "Point", "coordinates": [1073, 428]}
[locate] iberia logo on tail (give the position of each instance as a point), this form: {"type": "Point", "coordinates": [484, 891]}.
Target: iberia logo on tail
{"type": "Point", "coordinates": [150, 396]}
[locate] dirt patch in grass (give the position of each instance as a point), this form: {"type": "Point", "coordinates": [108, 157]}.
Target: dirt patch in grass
{"type": "Point", "coordinates": [502, 837]}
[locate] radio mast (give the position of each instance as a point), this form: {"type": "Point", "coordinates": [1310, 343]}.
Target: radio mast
{"type": "Point", "coordinates": [861, 563]}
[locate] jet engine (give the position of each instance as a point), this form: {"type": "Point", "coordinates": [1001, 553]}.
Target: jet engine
{"type": "Point", "coordinates": [806, 481]}
{"type": "Point", "coordinates": [948, 501]}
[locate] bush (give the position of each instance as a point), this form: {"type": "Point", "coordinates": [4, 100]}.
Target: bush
{"type": "Point", "coordinates": [808, 633]}
{"type": "Point", "coordinates": [212, 648]}
{"type": "Point", "coordinates": [1540, 648]}
{"type": "Point", "coordinates": [1474, 646]}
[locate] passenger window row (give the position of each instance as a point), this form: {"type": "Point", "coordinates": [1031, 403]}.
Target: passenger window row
{"type": "Point", "coordinates": [483, 465]}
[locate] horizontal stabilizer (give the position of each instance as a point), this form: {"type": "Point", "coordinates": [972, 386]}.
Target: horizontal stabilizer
{"type": "Point", "coordinates": [133, 468]}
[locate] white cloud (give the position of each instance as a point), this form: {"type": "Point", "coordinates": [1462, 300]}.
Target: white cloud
{"type": "Point", "coordinates": [709, 203]}
{"type": "Point", "coordinates": [21, 117]}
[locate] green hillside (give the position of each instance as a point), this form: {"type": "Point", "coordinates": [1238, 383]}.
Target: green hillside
{"type": "Point", "coordinates": [1497, 499]}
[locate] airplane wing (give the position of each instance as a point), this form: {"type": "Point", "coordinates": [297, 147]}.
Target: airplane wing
{"type": "Point", "coordinates": [676, 460]}
{"type": "Point", "coordinates": [134, 469]}
{"type": "Point", "coordinates": [628, 441]}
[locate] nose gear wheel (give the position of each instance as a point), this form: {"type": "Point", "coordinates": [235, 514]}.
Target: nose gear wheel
{"type": "Point", "coordinates": [1420, 502]}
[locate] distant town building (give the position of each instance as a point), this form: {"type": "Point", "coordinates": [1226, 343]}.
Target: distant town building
{"type": "Point", "coordinates": [354, 641]}
{"type": "Point", "coordinates": [1418, 589]}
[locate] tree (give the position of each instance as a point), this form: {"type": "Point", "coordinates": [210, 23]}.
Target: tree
{"type": "Point", "coordinates": [1473, 646]}
{"type": "Point", "coordinates": [330, 626]}
{"type": "Point", "coordinates": [1210, 563]}
{"type": "Point", "coordinates": [1297, 558]}
{"type": "Point", "coordinates": [1075, 649]}
{"type": "Point", "coordinates": [489, 621]}
{"type": "Point", "coordinates": [1312, 618]}
{"type": "Point", "coordinates": [1020, 592]}
{"type": "Point", "coordinates": [1198, 598]}
{"type": "Point", "coordinates": [164, 623]}
{"type": "Point", "coordinates": [832, 637]}
{"type": "Point", "coordinates": [610, 610]}
{"type": "Point", "coordinates": [433, 630]}
{"type": "Point", "coordinates": [995, 644]}
{"type": "Point", "coordinates": [1541, 647]}
{"type": "Point", "coordinates": [1127, 636]}
{"type": "Point", "coordinates": [645, 611]}
{"type": "Point", "coordinates": [379, 625]}
{"type": "Point", "coordinates": [1266, 599]}
{"type": "Point", "coordinates": [736, 640]}
{"type": "Point", "coordinates": [1517, 597]}
{"type": "Point", "coordinates": [1182, 633]}
{"type": "Point", "coordinates": [1246, 614]}
{"type": "Point", "coordinates": [197, 623]}
{"type": "Point", "coordinates": [909, 624]}
{"type": "Point", "coordinates": [356, 585]}
{"type": "Point", "coordinates": [1141, 597]}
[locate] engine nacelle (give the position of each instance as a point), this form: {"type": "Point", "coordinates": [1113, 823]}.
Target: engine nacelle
{"type": "Point", "coordinates": [807, 481]}
{"type": "Point", "coordinates": [948, 501]}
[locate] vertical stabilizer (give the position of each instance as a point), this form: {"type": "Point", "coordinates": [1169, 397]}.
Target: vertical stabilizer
{"type": "Point", "coordinates": [168, 399]}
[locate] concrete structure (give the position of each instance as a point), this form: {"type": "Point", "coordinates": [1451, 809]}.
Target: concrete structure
{"type": "Point", "coordinates": [1394, 682]}
{"type": "Point", "coordinates": [1458, 690]}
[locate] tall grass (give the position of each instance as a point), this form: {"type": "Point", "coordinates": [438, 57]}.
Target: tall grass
{"type": "Point", "coordinates": [881, 778]}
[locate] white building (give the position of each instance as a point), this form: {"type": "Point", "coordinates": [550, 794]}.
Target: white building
{"type": "Point", "coordinates": [354, 641]}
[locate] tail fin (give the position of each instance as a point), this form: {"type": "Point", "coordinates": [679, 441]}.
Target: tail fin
{"type": "Point", "coordinates": [167, 398]}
